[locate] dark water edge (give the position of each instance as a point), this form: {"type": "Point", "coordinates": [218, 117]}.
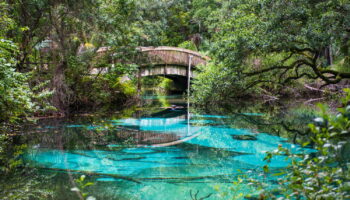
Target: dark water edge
{"type": "Point", "coordinates": [55, 137]}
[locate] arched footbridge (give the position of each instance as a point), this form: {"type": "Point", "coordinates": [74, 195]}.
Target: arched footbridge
{"type": "Point", "coordinates": [169, 61]}
{"type": "Point", "coordinates": [163, 60]}
{"type": "Point", "coordinates": [172, 62]}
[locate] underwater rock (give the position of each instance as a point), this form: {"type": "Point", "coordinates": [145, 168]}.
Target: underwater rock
{"type": "Point", "coordinates": [252, 197]}
{"type": "Point", "coordinates": [244, 137]}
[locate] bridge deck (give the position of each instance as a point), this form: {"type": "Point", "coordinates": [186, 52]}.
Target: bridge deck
{"type": "Point", "coordinates": [175, 56]}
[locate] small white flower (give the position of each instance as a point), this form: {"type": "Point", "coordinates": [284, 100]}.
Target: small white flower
{"type": "Point", "coordinates": [319, 120]}
{"type": "Point", "coordinates": [75, 189]}
{"type": "Point", "coordinates": [90, 198]}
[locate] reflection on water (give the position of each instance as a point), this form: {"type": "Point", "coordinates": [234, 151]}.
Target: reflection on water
{"type": "Point", "coordinates": [167, 154]}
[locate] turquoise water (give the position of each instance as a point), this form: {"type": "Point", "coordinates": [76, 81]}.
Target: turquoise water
{"type": "Point", "coordinates": [165, 155]}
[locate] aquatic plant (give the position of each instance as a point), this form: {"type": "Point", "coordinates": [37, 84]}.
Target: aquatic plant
{"type": "Point", "coordinates": [81, 188]}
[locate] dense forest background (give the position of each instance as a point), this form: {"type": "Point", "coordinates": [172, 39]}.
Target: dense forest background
{"type": "Point", "coordinates": [263, 49]}
{"type": "Point", "coordinates": [258, 48]}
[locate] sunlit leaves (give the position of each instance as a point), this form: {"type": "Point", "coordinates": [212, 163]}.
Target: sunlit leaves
{"type": "Point", "coordinates": [14, 91]}
{"type": "Point", "coordinates": [81, 187]}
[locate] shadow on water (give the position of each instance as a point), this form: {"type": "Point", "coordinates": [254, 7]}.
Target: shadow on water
{"type": "Point", "coordinates": [162, 152]}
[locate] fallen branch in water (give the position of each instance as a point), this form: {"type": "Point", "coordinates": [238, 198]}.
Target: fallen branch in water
{"type": "Point", "coordinates": [196, 198]}
{"type": "Point", "coordinates": [312, 88]}
{"type": "Point", "coordinates": [96, 174]}
{"type": "Point", "coordinates": [188, 178]}
{"type": "Point", "coordinates": [312, 100]}
{"type": "Point", "coordinates": [173, 142]}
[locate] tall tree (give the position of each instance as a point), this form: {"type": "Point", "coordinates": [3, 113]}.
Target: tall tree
{"type": "Point", "coordinates": [271, 43]}
{"type": "Point", "coordinates": [299, 38]}
{"type": "Point", "coordinates": [31, 28]}
{"type": "Point", "coordinates": [69, 20]}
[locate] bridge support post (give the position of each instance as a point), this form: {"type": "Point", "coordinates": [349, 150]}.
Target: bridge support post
{"type": "Point", "coordinates": [188, 94]}
{"type": "Point", "coordinates": [139, 82]}
{"type": "Point", "coordinates": [139, 86]}
{"type": "Point", "coordinates": [188, 74]}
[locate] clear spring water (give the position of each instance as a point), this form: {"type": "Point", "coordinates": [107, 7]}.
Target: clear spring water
{"type": "Point", "coordinates": [167, 154]}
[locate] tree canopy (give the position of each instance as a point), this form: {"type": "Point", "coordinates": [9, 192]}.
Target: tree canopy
{"type": "Point", "coordinates": [269, 43]}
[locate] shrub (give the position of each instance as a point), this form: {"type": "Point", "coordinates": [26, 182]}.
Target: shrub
{"type": "Point", "coordinates": [325, 175]}
{"type": "Point", "coordinates": [216, 84]}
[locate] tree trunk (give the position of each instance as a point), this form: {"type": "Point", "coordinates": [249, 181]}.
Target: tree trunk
{"type": "Point", "coordinates": [328, 55]}
{"type": "Point", "coordinates": [61, 92]}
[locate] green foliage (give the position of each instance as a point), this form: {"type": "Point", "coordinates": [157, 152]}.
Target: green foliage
{"type": "Point", "coordinates": [147, 22]}
{"type": "Point", "coordinates": [81, 187]}
{"type": "Point", "coordinates": [239, 190]}
{"type": "Point", "coordinates": [203, 12]}
{"type": "Point", "coordinates": [6, 22]}
{"type": "Point", "coordinates": [128, 88]}
{"type": "Point", "coordinates": [14, 91]}
{"type": "Point", "coordinates": [105, 89]}
{"type": "Point", "coordinates": [18, 99]}
{"type": "Point", "coordinates": [326, 174]}
{"type": "Point", "coordinates": [10, 156]}
{"type": "Point", "coordinates": [268, 44]}
{"type": "Point", "coordinates": [215, 84]}
{"type": "Point", "coordinates": [30, 186]}
{"type": "Point", "coordinates": [166, 85]}
{"type": "Point", "coordinates": [188, 45]}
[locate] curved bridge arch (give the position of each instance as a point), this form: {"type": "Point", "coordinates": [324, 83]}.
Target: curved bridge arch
{"type": "Point", "coordinates": [169, 61]}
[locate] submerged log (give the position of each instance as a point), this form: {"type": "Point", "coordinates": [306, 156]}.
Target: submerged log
{"type": "Point", "coordinates": [244, 137]}
{"type": "Point", "coordinates": [138, 180]}
{"type": "Point", "coordinates": [95, 174]}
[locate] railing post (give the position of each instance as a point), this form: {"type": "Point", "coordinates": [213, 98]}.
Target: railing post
{"type": "Point", "coordinates": [139, 81]}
